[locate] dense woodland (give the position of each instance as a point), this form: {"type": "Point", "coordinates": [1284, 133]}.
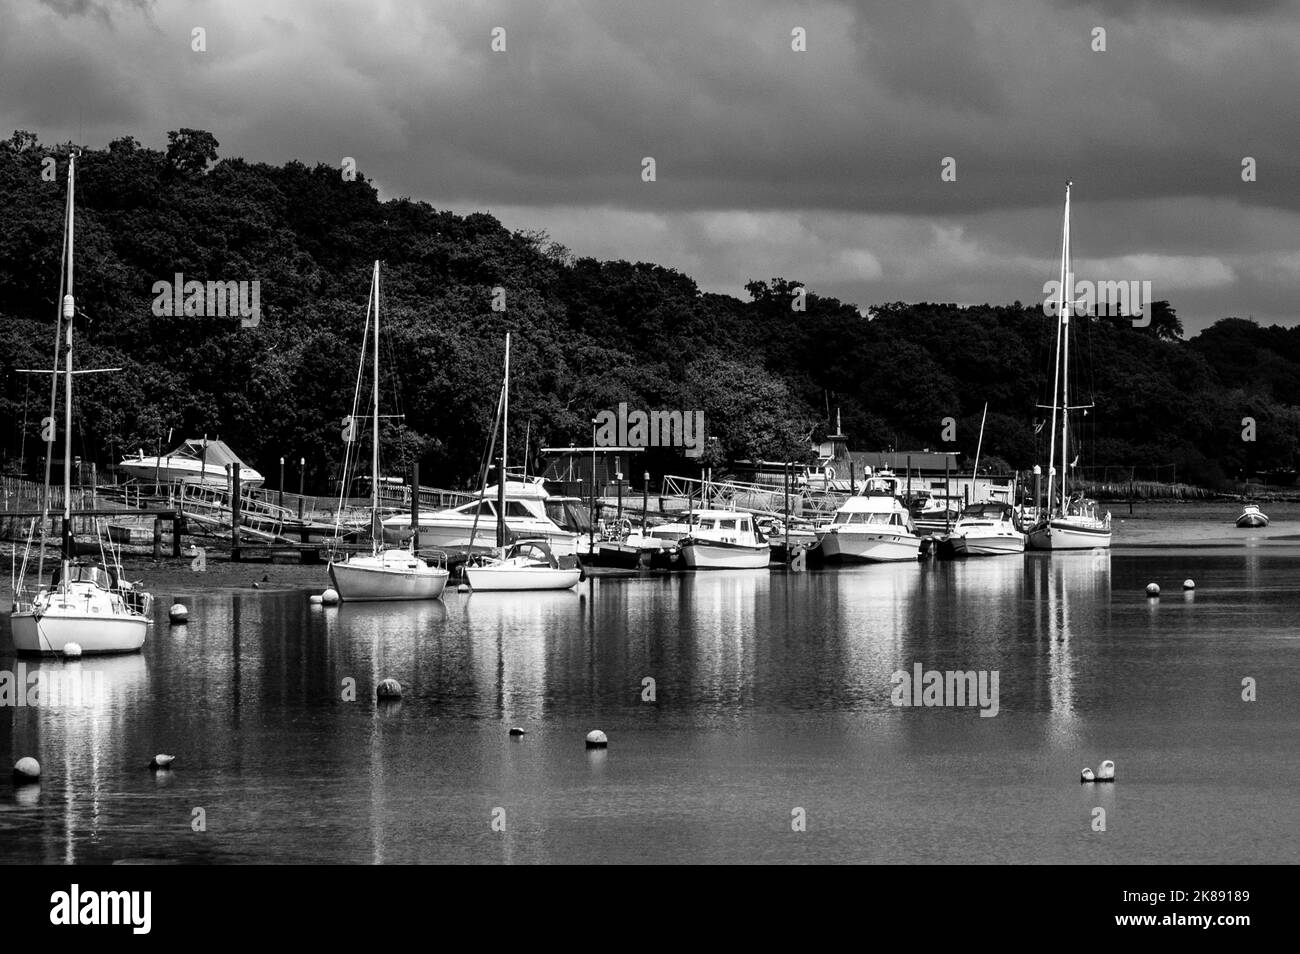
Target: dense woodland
{"type": "Point", "coordinates": [587, 334]}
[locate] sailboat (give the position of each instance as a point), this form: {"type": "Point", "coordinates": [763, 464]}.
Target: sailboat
{"type": "Point", "coordinates": [84, 603]}
{"type": "Point", "coordinates": [1070, 523]}
{"type": "Point", "coordinates": [383, 574]}
{"type": "Point", "coordinates": [528, 563]}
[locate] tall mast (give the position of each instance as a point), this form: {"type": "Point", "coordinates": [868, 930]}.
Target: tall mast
{"type": "Point", "coordinates": [69, 309]}
{"type": "Point", "coordinates": [505, 433]}
{"type": "Point", "coordinates": [374, 451]}
{"type": "Point", "coordinates": [1056, 368]}
{"type": "Point", "coordinates": [1065, 359]}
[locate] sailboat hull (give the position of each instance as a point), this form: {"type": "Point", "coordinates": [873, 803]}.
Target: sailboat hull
{"type": "Point", "coordinates": [97, 634]}
{"type": "Point", "coordinates": [519, 578]}
{"type": "Point", "coordinates": [357, 582]}
{"type": "Point", "coordinates": [1064, 535]}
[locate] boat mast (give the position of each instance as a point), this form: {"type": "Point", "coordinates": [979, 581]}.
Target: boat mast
{"type": "Point", "coordinates": [1056, 368]}
{"type": "Point", "coordinates": [505, 433]}
{"type": "Point", "coordinates": [1065, 359]}
{"type": "Point", "coordinates": [374, 451]}
{"type": "Point", "coordinates": [69, 309]}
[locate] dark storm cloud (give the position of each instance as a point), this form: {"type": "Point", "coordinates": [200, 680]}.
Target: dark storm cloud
{"type": "Point", "coordinates": [822, 165]}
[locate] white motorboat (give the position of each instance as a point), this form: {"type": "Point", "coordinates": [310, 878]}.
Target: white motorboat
{"type": "Point", "coordinates": [1252, 516]}
{"type": "Point", "coordinates": [382, 574]}
{"type": "Point", "coordinates": [471, 526]}
{"type": "Point", "coordinates": [193, 462]}
{"type": "Point", "coordinates": [83, 603]}
{"type": "Point", "coordinates": [986, 529]}
{"type": "Point", "coordinates": [528, 564]}
{"type": "Point", "coordinates": [724, 540]}
{"type": "Point", "coordinates": [1070, 523]}
{"type": "Point", "coordinates": [872, 527]}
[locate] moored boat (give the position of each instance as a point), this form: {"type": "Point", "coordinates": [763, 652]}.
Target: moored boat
{"type": "Point", "coordinates": [986, 529]}
{"type": "Point", "coordinates": [871, 527]}
{"type": "Point", "coordinates": [724, 540]}
{"type": "Point", "coordinates": [1252, 516]}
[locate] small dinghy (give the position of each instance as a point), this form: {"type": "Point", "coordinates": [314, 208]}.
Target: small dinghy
{"type": "Point", "coordinates": [1252, 516]}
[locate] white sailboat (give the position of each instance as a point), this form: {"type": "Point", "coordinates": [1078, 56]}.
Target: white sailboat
{"type": "Point", "coordinates": [1070, 523]}
{"type": "Point", "coordinates": [527, 564]}
{"type": "Point", "coordinates": [383, 574]}
{"type": "Point", "coordinates": [84, 603]}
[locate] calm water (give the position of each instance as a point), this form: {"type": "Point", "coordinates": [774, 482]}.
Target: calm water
{"type": "Point", "coordinates": [772, 693]}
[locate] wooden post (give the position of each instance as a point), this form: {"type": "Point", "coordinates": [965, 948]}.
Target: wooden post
{"type": "Point", "coordinates": [618, 482]}
{"type": "Point", "coordinates": [853, 479]}
{"type": "Point", "coordinates": [645, 500]}
{"type": "Point", "coordinates": [947, 461]}
{"type": "Point", "coordinates": [909, 478]}
{"type": "Point", "coordinates": [415, 506]}
{"type": "Point", "coordinates": [785, 473]}
{"type": "Point", "coordinates": [157, 537]}
{"type": "Point", "coordinates": [234, 511]}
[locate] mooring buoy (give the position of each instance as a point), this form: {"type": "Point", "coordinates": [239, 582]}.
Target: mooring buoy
{"type": "Point", "coordinates": [72, 650]}
{"type": "Point", "coordinates": [1153, 589]}
{"type": "Point", "coordinates": [1087, 776]}
{"type": "Point", "coordinates": [161, 762]}
{"type": "Point", "coordinates": [330, 597]}
{"type": "Point", "coordinates": [516, 730]}
{"type": "Point", "coordinates": [389, 689]}
{"type": "Point", "coordinates": [1106, 771]}
{"type": "Point", "coordinates": [1189, 584]}
{"type": "Point", "coordinates": [179, 613]}
{"type": "Point", "coordinates": [27, 769]}
{"type": "Point", "coordinates": [597, 739]}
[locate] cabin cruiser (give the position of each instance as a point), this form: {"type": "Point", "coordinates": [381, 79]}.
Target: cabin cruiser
{"type": "Point", "coordinates": [1252, 516]}
{"type": "Point", "coordinates": [871, 527]}
{"type": "Point", "coordinates": [987, 529]}
{"type": "Point", "coordinates": [195, 461]}
{"type": "Point", "coordinates": [724, 540]}
{"type": "Point", "coordinates": [526, 515]}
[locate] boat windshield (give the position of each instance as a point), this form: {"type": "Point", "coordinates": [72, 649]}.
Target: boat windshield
{"type": "Point", "coordinates": [569, 515]}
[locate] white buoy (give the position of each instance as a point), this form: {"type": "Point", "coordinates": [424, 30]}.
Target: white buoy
{"type": "Point", "coordinates": [72, 650]}
{"type": "Point", "coordinates": [162, 762]}
{"type": "Point", "coordinates": [516, 730]}
{"type": "Point", "coordinates": [1153, 589]}
{"type": "Point", "coordinates": [1106, 771]}
{"type": "Point", "coordinates": [389, 689]}
{"type": "Point", "coordinates": [597, 739]}
{"type": "Point", "coordinates": [315, 599]}
{"type": "Point", "coordinates": [1189, 584]}
{"type": "Point", "coordinates": [463, 588]}
{"type": "Point", "coordinates": [27, 770]}
{"type": "Point", "coordinates": [330, 597]}
{"type": "Point", "coordinates": [179, 613]}
{"type": "Point", "coordinates": [1087, 776]}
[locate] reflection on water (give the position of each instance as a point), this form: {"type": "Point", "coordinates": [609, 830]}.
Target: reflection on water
{"type": "Point", "coordinates": [766, 691]}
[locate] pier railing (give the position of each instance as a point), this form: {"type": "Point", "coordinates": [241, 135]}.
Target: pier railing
{"type": "Point", "coordinates": [750, 497]}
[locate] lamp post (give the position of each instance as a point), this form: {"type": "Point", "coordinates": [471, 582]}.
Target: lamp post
{"type": "Point", "coordinates": [281, 483]}
{"type": "Point", "coordinates": [645, 499]}
{"type": "Point", "coordinates": [302, 469]}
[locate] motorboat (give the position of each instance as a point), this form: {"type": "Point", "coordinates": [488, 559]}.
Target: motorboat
{"type": "Point", "coordinates": [197, 461]}
{"type": "Point", "coordinates": [83, 603]}
{"type": "Point", "coordinates": [384, 573]}
{"type": "Point", "coordinates": [724, 540]}
{"type": "Point", "coordinates": [1252, 516]}
{"type": "Point", "coordinates": [1071, 522]}
{"type": "Point", "coordinates": [986, 529]}
{"type": "Point", "coordinates": [471, 526]}
{"type": "Point", "coordinates": [872, 526]}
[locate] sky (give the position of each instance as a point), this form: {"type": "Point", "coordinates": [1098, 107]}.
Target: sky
{"type": "Point", "coordinates": [822, 165]}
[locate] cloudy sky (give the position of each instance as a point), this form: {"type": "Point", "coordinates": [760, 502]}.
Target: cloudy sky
{"type": "Point", "coordinates": [822, 166]}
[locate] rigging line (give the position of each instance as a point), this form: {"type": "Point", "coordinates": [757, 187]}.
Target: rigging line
{"type": "Point", "coordinates": [347, 445]}
{"type": "Point", "coordinates": [487, 459]}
